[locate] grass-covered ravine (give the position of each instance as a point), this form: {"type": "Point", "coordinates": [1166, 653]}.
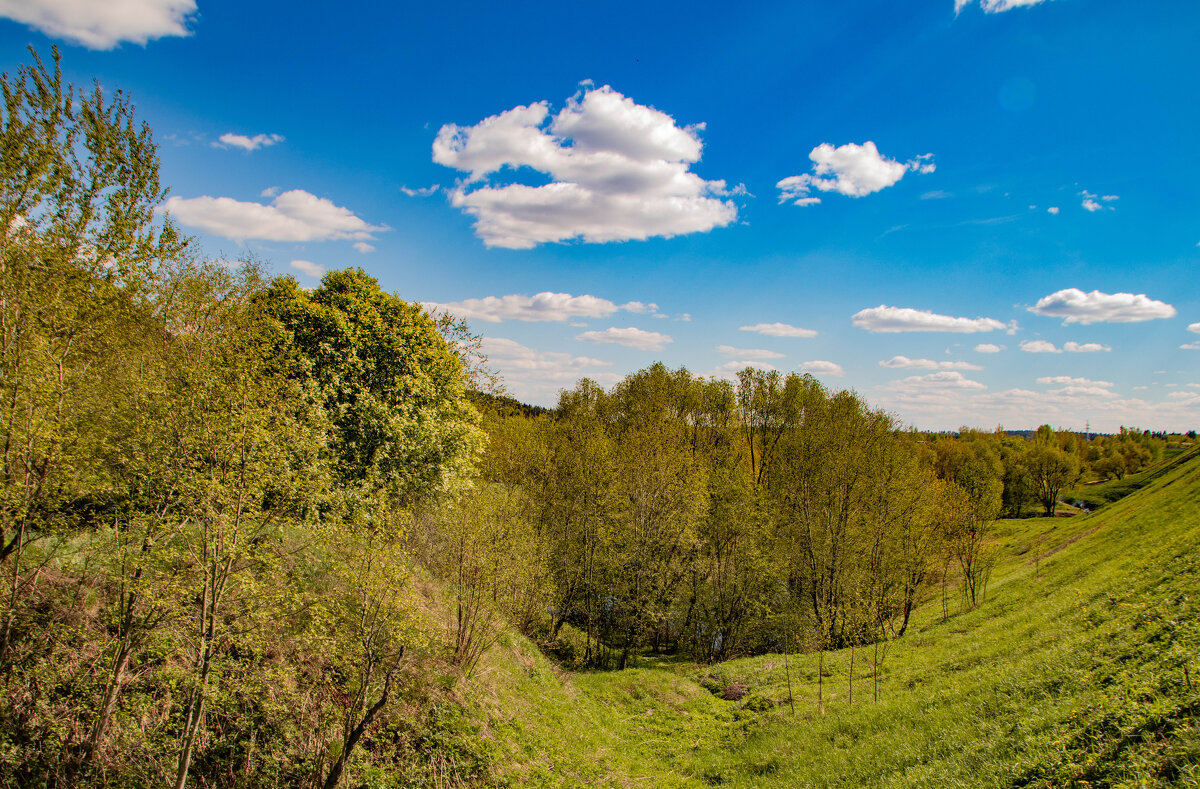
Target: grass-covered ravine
{"type": "Point", "coordinates": [1079, 669]}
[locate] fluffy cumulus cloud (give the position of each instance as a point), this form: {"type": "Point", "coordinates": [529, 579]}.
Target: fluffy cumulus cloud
{"type": "Point", "coordinates": [1194, 328]}
{"type": "Point", "coordinates": [629, 337]}
{"type": "Point", "coordinates": [103, 24]}
{"type": "Point", "coordinates": [1039, 346]}
{"type": "Point", "coordinates": [231, 140]}
{"type": "Point", "coordinates": [1052, 210]}
{"type": "Point", "coordinates": [619, 171]}
{"type": "Point", "coordinates": [747, 353]}
{"type": "Point", "coordinates": [295, 215]}
{"type": "Point", "coordinates": [1094, 202]}
{"type": "Point", "coordinates": [545, 306]}
{"type": "Point", "coordinates": [890, 320]}
{"type": "Point", "coordinates": [996, 6]}
{"type": "Point", "coordinates": [988, 347]}
{"type": "Point", "coordinates": [821, 367]}
{"type": "Point", "coordinates": [905, 363]}
{"type": "Point", "coordinates": [1085, 347]}
{"type": "Point", "coordinates": [851, 170]}
{"type": "Point", "coordinates": [779, 330]}
{"type": "Point", "coordinates": [536, 376]}
{"type": "Point", "coordinates": [1075, 306]}
{"type": "Point", "coordinates": [308, 267]}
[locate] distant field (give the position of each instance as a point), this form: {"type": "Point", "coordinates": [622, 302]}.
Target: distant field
{"type": "Point", "coordinates": [1080, 669]}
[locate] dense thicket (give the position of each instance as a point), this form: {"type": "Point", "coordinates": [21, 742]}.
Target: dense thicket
{"type": "Point", "coordinates": [205, 488]}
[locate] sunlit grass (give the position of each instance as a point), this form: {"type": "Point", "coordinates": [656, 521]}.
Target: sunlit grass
{"type": "Point", "coordinates": [1072, 673]}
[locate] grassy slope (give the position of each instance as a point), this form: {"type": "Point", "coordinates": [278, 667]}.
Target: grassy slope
{"type": "Point", "coordinates": [1071, 674]}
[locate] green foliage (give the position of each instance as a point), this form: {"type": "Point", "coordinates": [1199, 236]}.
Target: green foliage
{"type": "Point", "coordinates": [392, 386]}
{"type": "Point", "coordinates": [252, 535]}
{"type": "Point", "coordinates": [1072, 675]}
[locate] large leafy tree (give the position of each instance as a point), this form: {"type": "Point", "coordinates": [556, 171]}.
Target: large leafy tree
{"type": "Point", "coordinates": [1051, 470]}
{"type": "Point", "coordinates": [393, 387]}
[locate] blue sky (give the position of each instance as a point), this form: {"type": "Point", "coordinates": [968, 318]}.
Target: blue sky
{"type": "Point", "coordinates": [974, 215]}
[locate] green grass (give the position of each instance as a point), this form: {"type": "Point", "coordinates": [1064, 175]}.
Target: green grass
{"type": "Point", "coordinates": [1071, 674]}
{"type": "Point", "coordinates": [1098, 494]}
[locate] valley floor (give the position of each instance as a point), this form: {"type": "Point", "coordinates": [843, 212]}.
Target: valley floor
{"type": "Point", "coordinates": [1079, 669]}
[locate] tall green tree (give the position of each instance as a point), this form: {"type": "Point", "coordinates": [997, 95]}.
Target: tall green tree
{"type": "Point", "coordinates": [393, 387]}
{"type": "Point", "coordinates": [1051, 470]}
{"type": "Point", "coordinates": [78, 189]}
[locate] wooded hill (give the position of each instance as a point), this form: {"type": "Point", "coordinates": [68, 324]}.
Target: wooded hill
{"type": "Point", "coordinates": [254, 535]}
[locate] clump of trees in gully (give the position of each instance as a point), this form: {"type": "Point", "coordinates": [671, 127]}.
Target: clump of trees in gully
{"type": "Point", "coordinates": [252, 534]}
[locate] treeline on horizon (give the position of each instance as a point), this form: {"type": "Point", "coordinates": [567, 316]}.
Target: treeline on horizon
{"type": "Point", "coordinates": [252, 534]}
{"type": "Point", "coordinates": [680, 513]}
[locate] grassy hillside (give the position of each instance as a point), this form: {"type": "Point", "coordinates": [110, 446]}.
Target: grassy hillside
{"type": "Point", "coordinates": [1080, 669]}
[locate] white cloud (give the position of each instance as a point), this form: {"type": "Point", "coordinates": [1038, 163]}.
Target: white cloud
{"type": "Point", "coordinates": [987, 347]}
{"type": "Point", "coordinates": [629, 337]}
{"type": "Point", "coordinates": [890, 320]}
{"type": "Point", "coordinates": [1039, 346]}
{"type": "Point", "coordinates": [308, 267]}
{"type": "Point", "coordinates": [1085, 347]}
{"type": "Point", "coordinates": [231, 140]}
{"type": "Point", "coordinates": [292, 216]}
{"type": "Point", "coordinates": [1077, 387]}
{"type": "Point", "coordinates": [1066, 380]}
{"type": "Point", "coordinates": [364, 247]}
{"type": "Point", "coordinates": [779, 330]}
{"type": "Point", "coordinates": [748, 353]}
{"type": "Point", "coordinates": [850, 169]}
{"type": "Point", "coordinates": [1190, 346]}
{"type": "Point", "coordinates": [1093, 202]}
{"type": "Point", "coordinates": [103, 24]}
{"type": "Point", "coordinates": [905, 363]}
{"type": "Point", "coordinates": [821, 367]}
{"type": "Point", "coordinates": [1194, 328]}
{"type": "Point", "coordinates": [545, 306]}
{"type": "Point", "coordinates": [640, 308]}
{"type": "Point", "coordinates": [941, 380]}
{"type": "Point", "coordinates": [535, 376]}
{"type": "Point", "coordinates": [1075, 306]}
{"type": "Point", "coordinates": [729, 370]}
{"type": "Point", "coordinates": [996, 6]}
{"type": "Point", "coordinates": [424, 191]}
{"type": "Point", "coordinates": [270, 191]}
{"type": "Point", "coordinates": [1052, 210]}
{"type": "Point", "coordinates": [619, 171]}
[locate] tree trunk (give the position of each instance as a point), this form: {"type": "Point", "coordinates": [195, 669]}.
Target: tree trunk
{"type": "Point", "coordinates": [355, 734]}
